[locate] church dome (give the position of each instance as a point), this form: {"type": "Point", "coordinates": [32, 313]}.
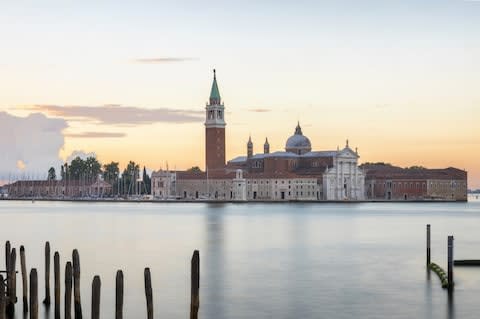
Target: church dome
{"type": "Point", "coordinates": [298, 143]}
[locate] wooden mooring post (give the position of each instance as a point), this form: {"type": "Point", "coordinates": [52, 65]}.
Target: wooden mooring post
{"type": "Point", "coordinates": [2, 298]}
{"type": "Point", "coordinates": [76, 284]}
{"type": "Point", "coordinates": [7, 256]}
{"type": "Point", "coordinates": [96, 297]}
{"type": "Point", "coordinates": [11, 284]}
{"type": "Point", "coordinates": [33, 294]}
{"type": "Point", "coordinates": [23, 265]}
{"type": "Point", "coordinates": [46, 301]}
{"type": "Point", "coordinates": [148, 293]}
{"type": "Point", "coordinates": [119, 295]}
{"type": "Point", "coordinates": [56, 277]}
{"type": "Point", "coordinates": [450, 262]}
{"type": "Point", "coordinates": [195, 285]}
{"type": "Point", "coordinates": [428, 245]}
{"type": "Point", "coordinates": [68, 290]}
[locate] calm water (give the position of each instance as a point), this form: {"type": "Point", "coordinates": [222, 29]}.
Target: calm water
{"type": "Point", "coordinates": [258, 260]}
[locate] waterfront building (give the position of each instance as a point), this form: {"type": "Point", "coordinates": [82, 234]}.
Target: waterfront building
{"type": "Point", "coordinates": [59, 189]}
{"type": "Point", "coordinates": [295, 173]}
{"type": "Point", "coordinates": [387, 182]}
{"type": "Point", "coordinates": [163, 184]}
{"type": "Point", "coordinates": [3, 192]}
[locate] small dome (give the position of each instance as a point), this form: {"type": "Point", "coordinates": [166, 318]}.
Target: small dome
{"type": "Point", "coordinates": [298, 143]}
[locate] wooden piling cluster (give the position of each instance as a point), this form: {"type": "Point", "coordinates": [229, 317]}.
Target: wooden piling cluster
{"type": "Point", "coordinates": [30, 296]}
{"type": "Point", "coordinates": [445, 278]}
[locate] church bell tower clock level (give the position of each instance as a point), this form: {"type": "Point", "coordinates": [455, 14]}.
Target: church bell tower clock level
{"type": "Point", "coordinates": [214, 129]}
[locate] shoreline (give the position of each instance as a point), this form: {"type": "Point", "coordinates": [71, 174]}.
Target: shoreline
{"type": "Point", "coordinates": [112, 200]}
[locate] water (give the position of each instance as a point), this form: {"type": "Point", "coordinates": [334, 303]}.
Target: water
{"type": "Point", "coordinates": [258, 260]}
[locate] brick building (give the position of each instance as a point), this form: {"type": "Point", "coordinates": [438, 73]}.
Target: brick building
{"type": "Point", "coordinates": [59, 189]}
{"type": "Point", "coordinates": [387, 182]}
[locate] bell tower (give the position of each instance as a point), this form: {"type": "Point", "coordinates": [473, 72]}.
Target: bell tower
{"type": "Point", "coordinates": [214, 129]}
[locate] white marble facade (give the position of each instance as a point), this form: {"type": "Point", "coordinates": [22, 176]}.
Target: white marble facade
{"type": "Point", "coordinates": [345, 180]}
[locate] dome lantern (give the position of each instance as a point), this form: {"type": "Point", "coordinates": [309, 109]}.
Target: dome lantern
{"type": "Point", "coordinates": [298, 143]}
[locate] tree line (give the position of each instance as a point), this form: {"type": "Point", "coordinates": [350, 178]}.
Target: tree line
{"type": "Point", "coordinates": [90, 170]}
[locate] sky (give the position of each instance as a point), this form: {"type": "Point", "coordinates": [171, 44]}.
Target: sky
{"type": "Point", "coordinates": [128, 80]}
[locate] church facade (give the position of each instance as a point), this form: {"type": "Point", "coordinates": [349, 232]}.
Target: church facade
{"type": "Point", "coordinates": [296, 173]}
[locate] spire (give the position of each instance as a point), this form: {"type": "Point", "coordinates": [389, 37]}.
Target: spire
{"type": "Point", "coordinates": [266, 147]}
{"type": "Point", "coordinates": [298, 129]}
{"type": "Point", "coordinates": [249, 147]}
{"type": "Point", "coordinates": [346, 143]}
{"type": "Point", "coordinates": [215, 93]}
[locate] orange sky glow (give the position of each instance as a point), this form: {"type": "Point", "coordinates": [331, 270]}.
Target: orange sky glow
{"type": "Point", "coordinates": [130, 82]}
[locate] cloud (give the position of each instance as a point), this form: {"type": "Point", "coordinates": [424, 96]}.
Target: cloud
{"type": "Point", "coordinates": [79, 153]}
{"type": "Point", "coordinates": [117, 114]}
{"type": "Point", "coordinates": [29, 145]}
{"type": "Point", "coordinates": [162, 60]}
{"type": "Point", "coordinates": [259, 110]}
{"type": "Point", "coordinates": [96, 135]}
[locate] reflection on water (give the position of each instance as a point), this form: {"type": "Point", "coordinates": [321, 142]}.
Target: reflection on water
{"type": "Point", "coordinates": [259, 260]}
{"type": "Point", "coordinates": [213, 263]}
{"type": "Point", "coordinates": [451, 304]}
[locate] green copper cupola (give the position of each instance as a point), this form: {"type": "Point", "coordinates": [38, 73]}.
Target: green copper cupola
{"type": "Point", "coordinates": [214, 93]}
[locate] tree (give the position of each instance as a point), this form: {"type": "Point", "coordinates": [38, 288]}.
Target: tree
{"type": "Point", "coordinates": [92, 168]}
{"type": "Point", "coordinates": [76, 170]}
{"type": "Point", "coordinates": [194, 169]}
{"type": "Point", "coordinates": [415, 167]}
{"type": "Point", "coordinates": [111, 172]}
{"type": "Point", "coordinates": [51, 174]}
{"type": "Point", "coordinates": [129, 177]}
{"type": "Point", "coordinates": [86, 170]}
{"type": "Point", "coordinates": [146, 181]}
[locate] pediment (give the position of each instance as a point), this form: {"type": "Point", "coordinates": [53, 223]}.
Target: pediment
{"type": "Point", "coordinates": [347, 152]}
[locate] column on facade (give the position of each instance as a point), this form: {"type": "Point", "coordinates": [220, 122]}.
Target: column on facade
{"type": "Point", "coordinates": [351, 196]}
{"type": "Point", "coordinates": [337, 185]}
{"type": "Point", "coordinates": [356, 181]}
{"type": "Point", "coordinates": [342, 180]}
